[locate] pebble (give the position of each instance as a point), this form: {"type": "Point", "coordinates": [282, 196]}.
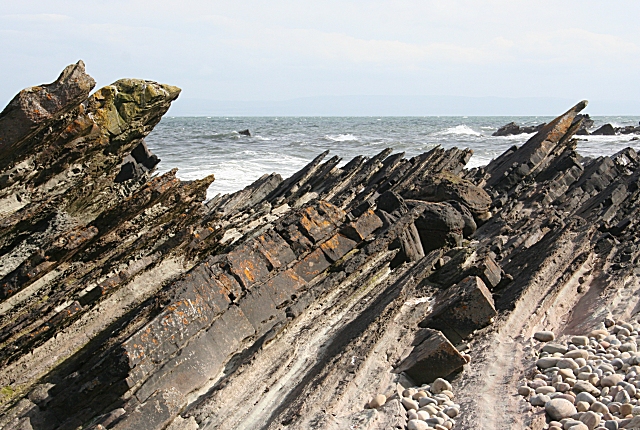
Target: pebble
{"type": "Point", "coordinates": [540, 400]}
{"type": "Point", "coordinates": [552, 348]}
{"type": "Point", "coordinates": [611, 425]}
{"type": "Point", "coordinates": [448, 393]}
{"type": "Point", "coordinates": [430, 409]}
{"type": "Point", "coordinates": [424, 401]}
{"type": "Point", "coordinates": [577, 353]}
{"type": "Point", "coordinates": [560, 408]}
{"type": "Point", "coordinates": [525, 391]}
{"type": "Point", "coordinates": [580, 340]}
{"type": "Point", "coordinates": [567, 363]}
{"type": "Point", "coordinates": [626, 409]}
{"type": "Point", "coordinates": [439, 385]}
{"type": "Point", "coordinates": [452, 412]}
{"type": "Point", "coordinates": [419, 395]}
{"type": "Point", "coordinates": [377, 401]}
{"type": "Point", "coordinates": [417, 425]}
{"type": "Point", "coordinates": [592, 382]}
{"type": "Point", "coordinates": [611, 380]}
{"type": "Point", "coordinates": [544, 336]}
{"type": "Point", "coordinates": [423, 415]}
{"type": "Point", "coordinates": [409, 403]}
{"type": "Point", "coordinates": [590, 419]}
{"type": "Point", "coordinates": [585, 397]}
{"type": "Point", "coordinates": [582, 406]}
{"type": "Point", "coordinates": [547, 362]}
{"type": "Point", "coordinates": [599, 408]}
{"type": "Point", "coordinates": [546, 390]}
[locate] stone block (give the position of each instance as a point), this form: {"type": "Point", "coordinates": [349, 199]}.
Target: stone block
{"type": "Point", "coordinates": [337, 246]}
{"type": "Point", "coordinates": [312, 265]}
{"type": "Point", "coordinates": [316, 225]}
{"type": "Point", "coordinates": [258, 306]}
{"type": "Point", "coordinates": [248, 264]}
{"type": "Point", "coordinates": [461, 309]}
{"type": "Point", "coordinates": [203, 358]}
{"type": "Point", "coordinates": [156, 413]}
{"type": "Point", "coordinates": [275, 249]}
{"type": "Point", "coordinates": [284, 285]}
{"type": "Point", "coordinates": [489, 271]}
{"type": "Point", "coordinates": [295, 238]}
{"type": "Point", "coordinates": [361, 228]}
{"type": "Point", "coordinates": [432, 357]}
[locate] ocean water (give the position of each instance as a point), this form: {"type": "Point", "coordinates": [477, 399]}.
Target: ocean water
{"type": "Point", "coordinates": [199, 146]}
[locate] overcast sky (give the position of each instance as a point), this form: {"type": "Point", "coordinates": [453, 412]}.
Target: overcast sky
{"type": "Point", "coordinates": [276, 50]}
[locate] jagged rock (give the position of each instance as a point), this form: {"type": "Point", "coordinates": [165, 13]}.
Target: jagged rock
{"type": "Point", "coordinates": [432, 357]}
{"type": "Point", "coordinates": [513, 166]}
{"type": "Point", "coordinates": [513, 129]}
{"type": "Point", "coordinates": [462, 309]}
{"type": "Point", "coordinates": [586, 124]}
{"type": "Point", "coordinates": [605, 130]}
{"type": "Point", "coordinates": [33, 109]}
{"type": "Point", "coordinates": [445, 187]}
{"type": "Point", "coordinates": [127, 302]}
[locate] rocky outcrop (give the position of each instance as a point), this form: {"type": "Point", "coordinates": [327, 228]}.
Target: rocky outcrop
{"type": "Point", "coordinates": [609, 130]}
{"type": "Point", "coordinates": [605, 130]}
{"type": "Point", "coordinates": [512, 129]}
{"type": "Point", "coordinates": [586, 124]}
{"type": "Point", "coordinates": [129, 302]}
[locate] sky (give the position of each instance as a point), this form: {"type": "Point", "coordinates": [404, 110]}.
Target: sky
{"type": "Point", "coordinates": [239, 51]}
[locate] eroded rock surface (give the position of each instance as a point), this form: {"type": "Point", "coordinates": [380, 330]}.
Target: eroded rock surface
{"type": "Point", "coordinates": [128, 302]}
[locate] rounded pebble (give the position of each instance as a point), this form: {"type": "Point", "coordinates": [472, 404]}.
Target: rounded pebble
{"type": "Point", "coordinates": [439, 385]}
{"type": "Point", "coordinates": [409, 403]}
{"type": "Point", "coordinates": [544, 336]}
{"type": "Point", "coordinates": [540, 400]}
{"type": "Point", "coordinates": [560, 408]}
{"type": "Point", "coordinates": [377, 401]}
{"type": "Point", "coordinates": [417, 425]}
{"type": "Point", "coordinates": [590, 419]}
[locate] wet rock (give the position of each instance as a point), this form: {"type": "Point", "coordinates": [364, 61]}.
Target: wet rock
{"type": "Point", "coordinates": [605, 130]}
{"type": "Point", "coordinates": [514, 129]}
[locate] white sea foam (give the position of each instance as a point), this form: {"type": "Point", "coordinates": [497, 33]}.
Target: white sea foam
{"type": "Point", "coordinates": [460, 129]}
{"type": "Point", "coordinates": [341, 138]}
{"type": "Point", "coordinates": [202, 146]}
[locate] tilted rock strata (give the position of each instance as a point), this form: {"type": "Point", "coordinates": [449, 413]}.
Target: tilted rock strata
{"type": "Point", "coordinates": [128, 302]}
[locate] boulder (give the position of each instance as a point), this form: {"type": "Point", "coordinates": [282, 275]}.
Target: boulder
{"type": "Point", "coordinates": [439, 225]}
{"type": "Point", "coordinates": [462, 309]}
{"type": "Point", "coordinates": [433, 356]}
{"type": "Point", "coordinates": [36, 107]}
{"type": "Point", "coordinates": [605, 130]}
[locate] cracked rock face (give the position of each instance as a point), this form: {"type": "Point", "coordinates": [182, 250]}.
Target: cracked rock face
{"type": "Point", "coordinates": [128, 302]}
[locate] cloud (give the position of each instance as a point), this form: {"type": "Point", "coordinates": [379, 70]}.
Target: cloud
{"type": "Point", "coordinates": [576, 44]}
{"type": "Point", "coordinates": [342, 47]}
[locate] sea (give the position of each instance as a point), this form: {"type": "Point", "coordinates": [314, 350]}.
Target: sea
{"type": "Point", "coordinates": [199, 146]}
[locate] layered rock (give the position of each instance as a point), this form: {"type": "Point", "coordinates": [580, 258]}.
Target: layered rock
{"type": "Point", "coordinates": [129, 302]}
